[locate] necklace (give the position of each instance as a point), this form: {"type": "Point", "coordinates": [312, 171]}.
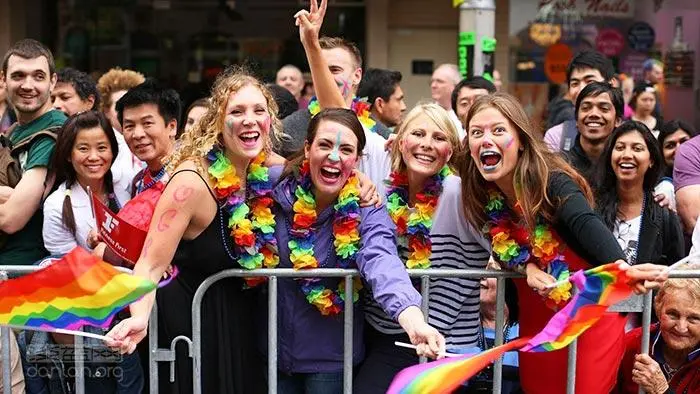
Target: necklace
{"type": "Point", "coordinates": [414, 227]}
{"type": "Point", "coordinates": [140, 186]}
{"type": "Point", "coordinates": [359, 105]}
{"type": "Point", "coordinates": [346, 240]}
{"type": "Point", "coordinates": [251, 222]}
{"type": "Point", "coordinates": [514, 245]}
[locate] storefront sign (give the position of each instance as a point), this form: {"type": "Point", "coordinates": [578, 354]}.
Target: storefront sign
{"type": "Point", "coordinates": [609, 42]}
{"type": "Point", "coordinates": [641, 37]}
{"type": "Point", "coordinates": [679, 70]}
{"type": "Point", "coordinates": [556, 60]}
{"type": "Point", "coordinates": [593, 8]}
{"type": "Point", "coordinates": [465, 53]}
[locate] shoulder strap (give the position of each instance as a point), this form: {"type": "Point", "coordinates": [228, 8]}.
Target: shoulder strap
{"type": "Point", "coordinates": [200, 177]}
{"type": "Point", "coordinates": [568, 135]}
{"type": "Point", "coordinates": [51, 132]}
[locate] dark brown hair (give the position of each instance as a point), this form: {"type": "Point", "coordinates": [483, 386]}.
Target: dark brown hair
{"type": "Point", "coordinates": [65, 172]}
{"type": "Point", "coordinates": [532, 171]}
{"type": "Point", "coordinates": [29, 49]}
{"type": "Point", "coordinates": [341, 116]}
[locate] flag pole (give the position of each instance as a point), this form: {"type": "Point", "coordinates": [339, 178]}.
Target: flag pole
{"type": "Point", "coordinates": [58, 331]}
{"type": "Point", "coordinates": [414, 347]}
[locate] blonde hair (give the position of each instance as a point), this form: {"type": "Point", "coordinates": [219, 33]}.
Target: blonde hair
{"type": "Point", "coordinates": [438, 116]}
{"type": "Point", "coordinates": [689, 285]}
{"type": "Point", "coordinates": [532, 172]}
{"type": "Point", "coordinates": [116, 80]}
{"type": "Point", "coordinates": [197, 141]}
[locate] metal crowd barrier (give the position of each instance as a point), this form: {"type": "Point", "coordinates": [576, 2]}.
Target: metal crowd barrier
{"type": "Point", "coordinates": [195, 347]}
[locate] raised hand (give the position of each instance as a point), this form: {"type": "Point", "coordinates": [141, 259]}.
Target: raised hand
{"type": "Point", "coordinates": [310, 22]}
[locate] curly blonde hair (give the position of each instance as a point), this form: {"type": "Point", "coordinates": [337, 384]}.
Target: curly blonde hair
{"type": "Point", "coordinates": [115, 80]}
{"type": "Point", "coordinates": [440, 118]}
{"type": "Point", "coordinates": [197, 141]}
{"type": "Point", "coordinates": [690, 286]}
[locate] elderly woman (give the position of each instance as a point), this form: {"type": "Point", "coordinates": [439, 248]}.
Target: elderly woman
{"type": "Point", "coordinates": [673, 365]}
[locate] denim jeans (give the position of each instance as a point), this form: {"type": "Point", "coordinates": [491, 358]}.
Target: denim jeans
{"type": "Point", "coordinates": [310, 383]}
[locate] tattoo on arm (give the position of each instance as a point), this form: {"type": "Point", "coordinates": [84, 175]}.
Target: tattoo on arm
{"type": "Point", "coordinates": [165, 219]}
{"type": "Point", "coordinates": [182, 193]}
{"type": "Point", "coordinates": [146, 245]}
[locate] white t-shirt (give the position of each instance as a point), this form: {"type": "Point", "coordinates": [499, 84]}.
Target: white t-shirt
{"type": "Point", "coordinates": [627, 235]}
{"type": "Point", "coordinates": [375, 162]}
{"type": "Point", "coordinates": [126, 165]}
{"type": "Point", "coordinates": [57, 238]}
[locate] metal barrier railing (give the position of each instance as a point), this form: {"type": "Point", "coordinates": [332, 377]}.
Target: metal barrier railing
{"type": "Point", "coordinates": [157, 355]}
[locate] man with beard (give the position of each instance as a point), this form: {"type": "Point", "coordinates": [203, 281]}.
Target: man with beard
{"type": "Point", "coordinates": [599, 109]}
{"type": "Point", "coordinates": [29, 72]}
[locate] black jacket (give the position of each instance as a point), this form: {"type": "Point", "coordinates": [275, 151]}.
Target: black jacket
{"type": "Point", "coordinates": [661, 236]}
{"type": "Point", "coordinates": [560, 110]}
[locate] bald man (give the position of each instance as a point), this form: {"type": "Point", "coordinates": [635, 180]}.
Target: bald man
{"type": "Point", "coordinates": [442, 83]}
{"type": "Point", "coordinates": [290, 78]}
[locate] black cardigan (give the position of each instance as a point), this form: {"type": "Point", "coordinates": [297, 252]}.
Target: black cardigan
{"type": "Point", "coordinates": [578, 225]}
{"type": "Point", "coordinates": [661, 235]}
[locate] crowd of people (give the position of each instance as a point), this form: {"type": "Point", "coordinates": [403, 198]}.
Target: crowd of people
{"type": "Point", "coordinates": [267, 175]}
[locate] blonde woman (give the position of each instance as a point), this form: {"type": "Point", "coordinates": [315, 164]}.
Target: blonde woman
{"type": "Point", "coordinates": [223, 165]}
{"type": "Point", "coordinates": [424, 202]}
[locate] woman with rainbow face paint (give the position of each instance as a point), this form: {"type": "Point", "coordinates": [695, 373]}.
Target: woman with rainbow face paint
{"type": "Point", "coordinates": [321, 224]}
{"type": "Point", "coordinates": [424, 203]}
{"type": "Point", "coordinates": [536, 211]}
{"type": "Point", "coordinates": [214, 214]}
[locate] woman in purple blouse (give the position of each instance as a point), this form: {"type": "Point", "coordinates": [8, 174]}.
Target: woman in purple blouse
{"type": "Point", "coordinates": [320, 224]}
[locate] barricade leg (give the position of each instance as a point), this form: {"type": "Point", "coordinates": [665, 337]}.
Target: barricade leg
{"type": "Point", "coordinates": [272, 336]}
{"type": "Point", "coordinates": [500, 313]}
{"type": "Point", "coordinates": [646, 323]}
{"type": "Point", "coordinates": [571, 369]}
{"type": "Point", "coordinates": [347, 337]}
{"type": "Point", "coordinates": [152, 350]}
{"type": "Point", "coordinates": [6, 355]}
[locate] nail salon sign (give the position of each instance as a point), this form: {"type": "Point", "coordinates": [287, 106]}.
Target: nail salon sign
{"type": "Point", "coordinates": [592, 8]}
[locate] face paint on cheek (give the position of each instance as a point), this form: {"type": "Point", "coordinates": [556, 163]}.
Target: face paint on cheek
{"type": "Point", "coordinates": [335, 153]}
{"type": "Point", "coordinates": [229, 122]}
{"type": "Point", "coordinates": [509, 140]}
{"type": "Point", "coordinates": [266, 123]}
{"type": "Point", "coordinates": [344, 87]}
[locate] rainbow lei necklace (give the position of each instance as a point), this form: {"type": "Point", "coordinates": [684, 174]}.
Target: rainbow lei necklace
{"type": "Point", "coordinates": [513, 245]}
{"type": "Point", "coordinates": [359, 105]}
{"type": "Point", "coordinates": [414, 226]}
{"type": "Point", "coordinates": [251, 220]}
{"type": "Point", "coordinates": [346, 240]}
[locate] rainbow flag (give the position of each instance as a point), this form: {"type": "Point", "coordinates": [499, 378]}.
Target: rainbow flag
{"type": "Point", "coordinates": [598, 288]}
{"type": "Point", "coordinates": [76, 290]}
{"type": "Point", "coordinates": [443, 376]}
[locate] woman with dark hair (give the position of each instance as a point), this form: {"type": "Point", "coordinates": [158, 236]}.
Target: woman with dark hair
{"type": "Point", "coordinates": [536, 211]}
{"type": "Point", "coordinates": [85, 151]}
{"type": "Point", "coordinates": [630, 167]}
{"type": "Point", "coordinates": [672, 135]}
{"type": "Point", "coordinates": [194, 112]}
{"type": "Point", "coordinates": [643, 102]}
{"type": "Point", "coordinates": [320, 224]}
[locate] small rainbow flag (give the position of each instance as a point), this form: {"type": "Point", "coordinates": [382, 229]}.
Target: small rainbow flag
{"type": "Point", "coordinates": [598, 288]}
{"type": "Point", "coordinates": [443, 376]}
{"type": "Point", "coordinates": [76, 290]}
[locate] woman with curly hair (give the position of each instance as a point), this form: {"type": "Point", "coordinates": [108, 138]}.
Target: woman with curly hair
{"type": "Point", "coordinates": [221, 177]}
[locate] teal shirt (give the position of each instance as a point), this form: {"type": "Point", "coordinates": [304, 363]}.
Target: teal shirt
{"type": "Point", "coordinates": [27, 245]}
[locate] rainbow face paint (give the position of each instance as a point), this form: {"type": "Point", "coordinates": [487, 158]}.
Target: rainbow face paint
{"type": "Point", "coordinates": [335, 153]}
{"type": "Point", "coordinates": [509, 141]}
{"type": "Point", "coordinates": [344, 87]}
{"type": "Point", "coordinates": [229, 122]}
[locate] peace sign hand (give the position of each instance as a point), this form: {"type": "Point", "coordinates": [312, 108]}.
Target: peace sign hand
{"type": "Point", "coordinates": [309, 22]}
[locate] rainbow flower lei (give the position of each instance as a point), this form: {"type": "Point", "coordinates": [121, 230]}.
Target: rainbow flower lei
{"type": "Point", "coordinates": [359, 105]}
{"type": "Point", "coordinates": [514, 246]}
{"type": "Point", "coordinates": [414, 227]}
{"type": "Point", "coordinates": [251, 220]}
{"type": "Point", "coordinates": [346, 240]}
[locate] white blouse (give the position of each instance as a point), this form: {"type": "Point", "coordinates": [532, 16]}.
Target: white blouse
{"type": "Point", "coordinates": [57, 238]}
